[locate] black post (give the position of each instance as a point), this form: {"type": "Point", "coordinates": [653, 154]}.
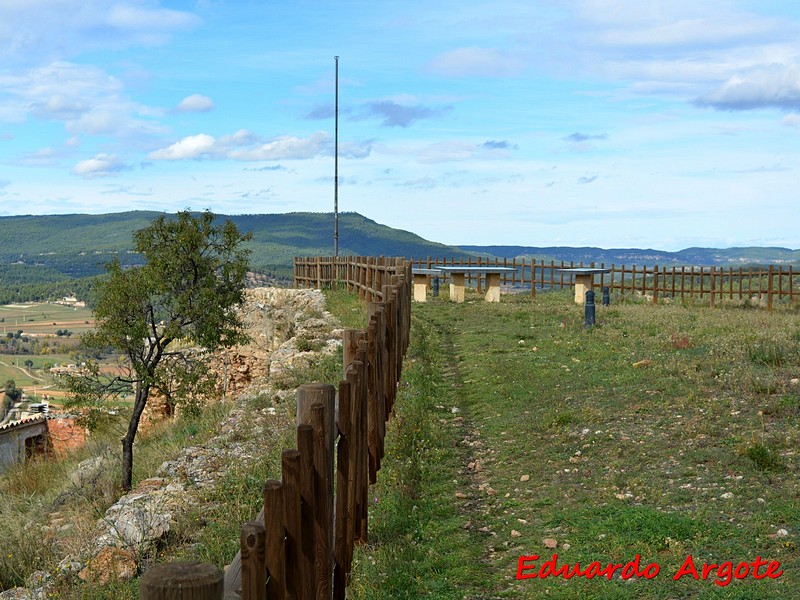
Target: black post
{"type": "Point", "coordinates": [588, 320]}
{"type": "Point", "coordinates": [435, 287]}
{"type": "Point", "coordinates": [336, 167]}
{"type": "Point", "coordinates": [606, 296]}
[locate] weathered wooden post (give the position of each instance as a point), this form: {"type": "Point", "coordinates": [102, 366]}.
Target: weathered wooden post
{"type": "Point", "coordinates": [323, 500]}
{"type": "Point", "coordinates": [296, 584]}
{"type": "Point", "coordinates": [655, 284]}
{"type": "Point", "coordinates": [182, 581]}
{"type": "Point", "coordinates": [770, 283]}
{"type": "Point", "coordinates": [308, 507]}
{"type": "Point", "coordinates": [342, 552]}
{"type": "Point", "coordinates": [316, 407]}
{"type": "Point", "coordinates": [253, 546]}
{"type": "Point", "coordinates": [276, 552]}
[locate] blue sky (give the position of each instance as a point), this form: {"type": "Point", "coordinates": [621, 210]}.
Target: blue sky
{"type": "Point", "coordinates": [612, 123]}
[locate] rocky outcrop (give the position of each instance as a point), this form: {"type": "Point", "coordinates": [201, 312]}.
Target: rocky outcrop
{"type": "Point", "coordinates": [287, 329]}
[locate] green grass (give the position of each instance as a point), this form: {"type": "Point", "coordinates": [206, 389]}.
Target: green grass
{"type": "Point", "coordinates": [656, 433]}
{"type": "Point", "coordinates": [418, 546]}
{"type": "Point", "coordinates": [346, 306]}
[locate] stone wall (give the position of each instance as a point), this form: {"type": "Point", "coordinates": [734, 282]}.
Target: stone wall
{"type": "Point", "coordinates": [65, 434]}
{"type": "Point", "coordinates": [14, 437]}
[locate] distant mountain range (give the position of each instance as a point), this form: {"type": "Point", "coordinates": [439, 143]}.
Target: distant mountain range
{"type": "Point", "coordinates": [60, 250]}
{"type": "Point", "coordinates": [750, 255]}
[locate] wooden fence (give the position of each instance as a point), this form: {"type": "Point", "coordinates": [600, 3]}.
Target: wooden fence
{"type": "Point", "coordinates": [301, 544]}
{"type": "Point", "coordinates": [365, 275]}
{"type": "Point", "coordinates": [768, 285]}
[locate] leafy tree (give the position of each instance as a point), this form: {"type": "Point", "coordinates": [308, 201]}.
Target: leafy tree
{"type": "Point", "coordinates": [13, 393]}
{"type": "Point", "coordinates": [182, 297]}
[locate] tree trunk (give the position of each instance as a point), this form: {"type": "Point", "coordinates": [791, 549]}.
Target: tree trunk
{"type": "Point", "coordinates": [142, 393]}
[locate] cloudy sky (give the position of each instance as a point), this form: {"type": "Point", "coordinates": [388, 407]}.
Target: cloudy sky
{"type": "Point", "coordinates": [612, 123]}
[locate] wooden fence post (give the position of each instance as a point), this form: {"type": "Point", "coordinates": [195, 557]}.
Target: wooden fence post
{"type": "Point", "coordinates": [253, 545]}
{"type": "Point", "coordinates": [770, 281]}
{"type": "Point", "coordinates": [323, 500]}
{"type": "Point", "coordinates": [318, 401]}
{"type": "Point", "coordinates": [184, 580]}
{"type": "Point", "coordinates": [342, 552]}
{"type": "Point", "coordinates": [376, 358]}
{"type": "Point", "coordinates": [309, 506]}
{"type": "Point", "coordinates": [276, 534]}
{"type": "Point", "coordinates": [655, 284]}
{"type": "Point", "coordinates": [297, 585]}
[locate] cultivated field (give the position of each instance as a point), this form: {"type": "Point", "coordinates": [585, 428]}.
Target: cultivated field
{"type": "Point", "coordinates": [44, 317]}
{"type": "Point", "coordinates": [40, 321]}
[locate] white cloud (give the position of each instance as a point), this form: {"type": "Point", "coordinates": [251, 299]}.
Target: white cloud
{"type": "Point", "coordinates": [141, 19]}
{"type": "Point", "coordinates": [196, 103]}
{"type": "Point", "coordinates": [35, 31]}
{"type": "Point", "coordinates": [679, 48]}
{"type": "Point", "coordinates": [775, 86]}
{"type": "Point", "coordinates": [792, 120]}
{"type": "Point", "coordinates": [194, 146]}
{"type": "Point", "coordinates": [474, 61]}
{"type": "Point", "coordinates": [86, 99]}
{"type": "Point", "coordinates": [102, 165]}
{"type": "Point", "coordinates": [246, 146]}
{"type": "Point", "coordinates": [286, 147]}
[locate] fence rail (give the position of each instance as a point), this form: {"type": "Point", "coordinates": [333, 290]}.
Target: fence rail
{"type": "Point", "coordinates": [301, 544]}
{"type": "Point", "coordinates": [365, 275]}
{"type": "Point", "coordinates": [768, 284]}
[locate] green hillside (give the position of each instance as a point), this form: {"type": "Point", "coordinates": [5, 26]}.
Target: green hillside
{"type": "Point", "coordinates": [45, 256]}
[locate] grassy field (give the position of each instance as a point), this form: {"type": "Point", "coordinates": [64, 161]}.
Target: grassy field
{"type": "Point", "coordinates": [664, 432]}
{"type": "Point", "coordinates": [44, 317]}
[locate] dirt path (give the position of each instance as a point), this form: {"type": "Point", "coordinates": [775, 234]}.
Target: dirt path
{"type": "Point", "coordinates": [24, 371]}
{"type": "Point", "coordinates": [476, 499]}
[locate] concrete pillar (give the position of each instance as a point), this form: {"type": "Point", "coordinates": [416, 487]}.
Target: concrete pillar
{"type": "Point", "coordinates": [420, 288]}
{"type": "Point", "coordinates": [583, 284]}
{"type": "Point", "coordinates": [493, 287]}
{"type": "Point", "coordinates": [457, 287]}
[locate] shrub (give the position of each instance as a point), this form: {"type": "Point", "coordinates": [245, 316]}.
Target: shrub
{"type": "Point", "coordinates": [763, 457]}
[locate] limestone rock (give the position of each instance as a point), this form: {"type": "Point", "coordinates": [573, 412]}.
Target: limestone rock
{"type": "Point", "coordinates": [110, 564]}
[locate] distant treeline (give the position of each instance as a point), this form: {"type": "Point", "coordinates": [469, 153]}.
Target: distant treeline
{"type": "Point", "coordinates": [19, 284]}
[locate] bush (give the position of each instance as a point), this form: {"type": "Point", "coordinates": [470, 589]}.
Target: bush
{"type": "Point", "coordinates": [763, 457]}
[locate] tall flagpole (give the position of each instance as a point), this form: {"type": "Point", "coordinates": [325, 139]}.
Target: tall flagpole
{"type": "Point", "coordinates": [336, 168]}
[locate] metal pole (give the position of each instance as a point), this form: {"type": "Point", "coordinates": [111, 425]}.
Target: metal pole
{"type": "Point", "coordinates": [336, 168]}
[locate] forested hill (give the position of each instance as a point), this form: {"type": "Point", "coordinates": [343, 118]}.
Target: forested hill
{"type": "Point", "coordinates": [80, 245]}
{"type": "Point", "coordinates": [49, 256]}
{"type": "Point", "coordinates": [752, 255]}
